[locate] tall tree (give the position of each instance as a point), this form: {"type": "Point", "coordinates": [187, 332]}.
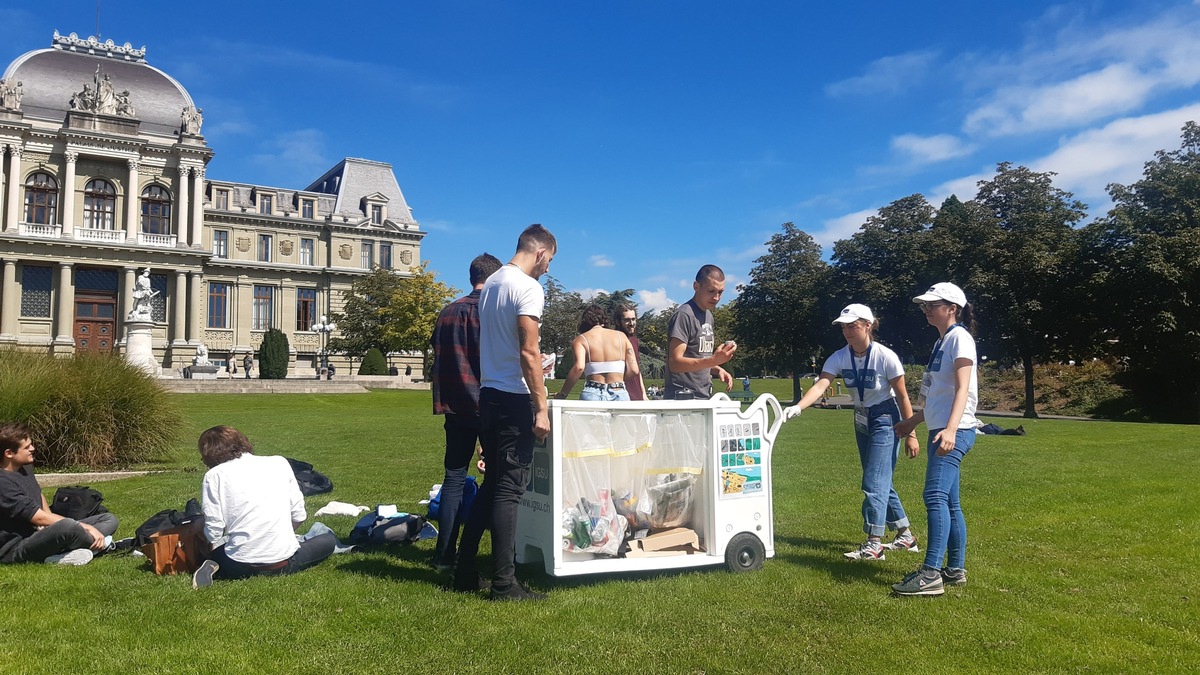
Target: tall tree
{"type": "Point", "coordinates": [1143, 269]}
{"type": "Point", "coordinates": [361, 323]}
{"type": "Point", "coordinates": [390, 312]}
{"type": "Point", "coordinates": [883, 265]}
{"type": "Point", "coordinates": [778, 309]}
{"type": "Point", "coordinates": [1024, 241]}
{"type": "Point", "coordinates": [560, 320]}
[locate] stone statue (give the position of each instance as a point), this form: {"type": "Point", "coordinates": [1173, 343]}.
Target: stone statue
{"type": "Point", "coordinates": [106, 100]}
{"type": "Point", "coordinates": [10, 95]}
{"type": "Point", "coordinates": [124, 107]}
{"type": "Point", "coordinates": [191, 119]}
{"type": "Point", "coordinates": [201, 356]}
{"type": "Point", "coordinates": [142, 293]}
{"type": "Point", "coordinates": [102, 99]}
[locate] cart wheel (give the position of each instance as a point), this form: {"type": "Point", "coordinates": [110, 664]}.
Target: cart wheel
{"type": "Point", "coordinates": [745, 553]}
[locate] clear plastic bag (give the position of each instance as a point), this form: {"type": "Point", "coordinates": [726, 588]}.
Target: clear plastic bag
{"type": "Point", "coordinates": [591, 523]}
{"type": "Point", "coordinates": [633, 436]}
{"type": "Point", "coordinates": [676, 461]}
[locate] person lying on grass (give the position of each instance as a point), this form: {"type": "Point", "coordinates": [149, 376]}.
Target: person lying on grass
{"type": "Point", "coordinates": [29, 531]}
{"type": "Point", "coordinates": [252, 507]}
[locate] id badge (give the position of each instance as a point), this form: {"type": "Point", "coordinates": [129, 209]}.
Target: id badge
{"type": "Point", "coordinates": [926, 381]}
{"type": "Point", "coordinates": [860, 419]}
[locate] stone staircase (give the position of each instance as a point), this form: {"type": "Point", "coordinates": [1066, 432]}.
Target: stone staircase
{"type": "Point", "coordinates": [256, 386]}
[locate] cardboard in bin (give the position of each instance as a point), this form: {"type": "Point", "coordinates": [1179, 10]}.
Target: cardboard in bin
{"type": "Point", "coordinates": [675, 541]}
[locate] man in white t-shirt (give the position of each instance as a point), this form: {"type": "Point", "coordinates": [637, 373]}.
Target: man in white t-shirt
{"type": "Point", "coordinates": [512, 409]}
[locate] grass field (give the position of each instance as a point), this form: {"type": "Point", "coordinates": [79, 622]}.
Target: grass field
{"type": "Point", "coordinates": [1081, 558]}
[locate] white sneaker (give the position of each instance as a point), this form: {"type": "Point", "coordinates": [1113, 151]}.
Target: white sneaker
{"type": "Point", "coordinates": [905, 542]}
{"type": "Point", "coordinates": [80, 556]}
{"type": "Point", "coordinates": [203, 577]}
{"type": "Point", "coordinates": [870, 550]}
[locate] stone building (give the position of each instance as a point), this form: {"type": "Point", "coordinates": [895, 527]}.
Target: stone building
{"type": "Point", "coordinates": [103, 175]}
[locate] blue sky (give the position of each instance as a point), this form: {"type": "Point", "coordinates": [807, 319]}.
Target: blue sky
{"type": "Point", "coordinates": [656, 136]}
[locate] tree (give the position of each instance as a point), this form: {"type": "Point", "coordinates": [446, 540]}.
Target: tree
{"type": "Point", "coordinates": [373, 363]}
{"type": "Point", "coordinates": [778, 309]}
{"type": "Point", "coordinates": [1142, 265]}
{"type": "Point", "coordinates": [361, 321]}
{"type": "Point", "coordinates": [273, 355]}
{"type": "Point", "coordinates": [1016, 265]}
{"type": "Point", "coordinates": [560, 321]}
{"type": "Point", "coordinates": [883, 265]}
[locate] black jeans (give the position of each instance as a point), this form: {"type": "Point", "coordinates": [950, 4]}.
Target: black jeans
{"type": "Point", "coordinates": [312, 551]}
{"type": "Point", "coordinates": [462, 431]}
{"type": "Point", "coordinates": [507, 437]}
{"type": "Point", "coordinates": [62, 536]}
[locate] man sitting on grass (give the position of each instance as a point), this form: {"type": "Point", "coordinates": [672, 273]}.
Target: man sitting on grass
{"type": "Point", "coordinates": [252, 507]}
{"type": "Point", "coordinates": [29, 531]}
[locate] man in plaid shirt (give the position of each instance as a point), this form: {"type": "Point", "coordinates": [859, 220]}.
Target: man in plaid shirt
{"type": "Point", "coordinates": [456, 395]}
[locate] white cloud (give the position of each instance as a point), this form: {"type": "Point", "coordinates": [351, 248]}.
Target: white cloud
{"type": "Point", "coordinates": [841, 227]}
{"type": "Point", "coordinates": [888, 75]}
{"type": "Point", "coordinates": [294, 156]}
{"type": "Point", "coordinates": [964, 188]}
{"type": "Point", "coordinates": [601, 261]}
{"type": "Point", "coordinates": [929, 149]}
{"type": "Point", "coordinates": [656, 300]}
{"type": "Point", "coordinates": [589, 294]}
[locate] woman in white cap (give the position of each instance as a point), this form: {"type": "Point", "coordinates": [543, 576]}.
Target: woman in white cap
{"type": "Point", "coordinates": [950, 390]}
{"type": "Point", "coordinates": [875, 377]}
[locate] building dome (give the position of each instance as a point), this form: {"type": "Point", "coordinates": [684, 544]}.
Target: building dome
{"type": "Point", "coordinates": [50, 78]}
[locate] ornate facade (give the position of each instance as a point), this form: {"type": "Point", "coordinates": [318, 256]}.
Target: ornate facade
{"type": "Point", "coordinates": [102, 175]}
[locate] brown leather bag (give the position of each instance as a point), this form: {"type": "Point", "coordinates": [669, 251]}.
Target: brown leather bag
{"type": "Point", "coordinates": [178, 550]}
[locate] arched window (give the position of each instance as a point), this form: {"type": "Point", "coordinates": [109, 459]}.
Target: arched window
{"type": "Point", "coordinates": [156, 210]}
{"type": "Point", "coordinates": [99, 205]}
{"type": "Point", "coordinates": [41, 199]}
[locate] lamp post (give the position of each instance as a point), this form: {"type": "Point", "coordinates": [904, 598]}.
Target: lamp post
{"type": "Point", "coordinates": [323, 328]}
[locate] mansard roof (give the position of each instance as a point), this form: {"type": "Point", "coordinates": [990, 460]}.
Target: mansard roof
{"type": "Point", "coordinates": [352, 179]}
{"type": "Point", "coordinates": [51, 77]}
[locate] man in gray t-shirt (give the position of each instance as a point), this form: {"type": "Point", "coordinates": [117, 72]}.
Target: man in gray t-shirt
{"type": "Point", "coordinates": [693, 358]}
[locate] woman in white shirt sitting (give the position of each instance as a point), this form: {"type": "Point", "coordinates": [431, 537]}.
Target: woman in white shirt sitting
{"type": "Point", "coordinates": [604, 357]}
{"type": "Point", "coordinates": [252, 507]}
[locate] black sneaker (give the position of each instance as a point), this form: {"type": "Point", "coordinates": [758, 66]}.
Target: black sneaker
{"type": "Point", "coordinates": [516, 592]}
{"type": "Point", "coordinates": [1021, 430]}
{"type": "Point", "coordinates": [954, 576]}
{"type": "Point", "coordinates": [203, 577]}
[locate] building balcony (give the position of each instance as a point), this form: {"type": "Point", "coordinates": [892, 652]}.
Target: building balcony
{"type": "Point", "coordinates": [39, 230]}
{"type": "Point", "coordinates": [93, 234]}
{"type": "Point", "coordinates": [160, 240]}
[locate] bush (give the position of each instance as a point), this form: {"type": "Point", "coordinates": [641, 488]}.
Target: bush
{"type": "Point", "coordinates": [273, 355]}
{"type": "Point", "coordinates": [373, 363]}
{"type": "Point", "coordinates": [88, 411]}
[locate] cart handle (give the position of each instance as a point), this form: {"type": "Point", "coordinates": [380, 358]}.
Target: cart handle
{"type": "Point", "coordinates": [774, 403]}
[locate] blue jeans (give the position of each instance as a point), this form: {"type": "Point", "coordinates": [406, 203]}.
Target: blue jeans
{"type": "Point", "coordinates": [878, 450]}
{"type": "Point", "coordinates": [462, 431]}
{"type": "Point", "coordinates": [601, 392]}
{"type": "Point", "coordinates": [947, 526]}
{"type": "Point", "coordinates": [506, 422]}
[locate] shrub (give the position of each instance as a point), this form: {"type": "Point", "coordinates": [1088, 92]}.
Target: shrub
{"type": "Point", "coordinates": [373, 363]}
{"type": "Point", "coordinates": [94, 411]}
{"type": "Point", "coordinates": [273, 355]}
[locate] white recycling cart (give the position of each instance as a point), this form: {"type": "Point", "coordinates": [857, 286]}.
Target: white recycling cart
{"type": "Point", "coordinates": [667, 468]}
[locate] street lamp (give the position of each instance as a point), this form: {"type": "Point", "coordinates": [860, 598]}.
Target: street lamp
{"type": "Point", "coordinates": [323, 328]}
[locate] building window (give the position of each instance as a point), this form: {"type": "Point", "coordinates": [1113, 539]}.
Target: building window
{"type": "Point", "coordinates": [220, 244]}
{"type": "Point", "coordinates": [306, 308]}
{"type": "Point", "coordinates": [158, 302]}
{"type": "Point", "coordinates": [264, 307]}
{"type": "Point", "coordinates": [368, 254]}
{"type": "Point", "coordinates": [156, 210]}
{"type": "Point", "coordinates": [385, 256]}
{"type": "Point", "coordinates": [41, 199]}
{"type": "Point", "coordinates": [99, 205]}
{"type": "Point", "coordinates": [377, 214]}
{"type": "Point", "coordinates": [265, 204]}
{"type": "Point", "coordinates": [221, 199]}
{"type": "Point", "coordinates": [218, 305]}
{"type": "Point", "coordinates": [306, 208]}
{"type": "Point", "coordinates": [35, 291]}
{"type": "Point", "coordinates": [306, 251]}
{"type": "Point", "coordinates": [264, 248]}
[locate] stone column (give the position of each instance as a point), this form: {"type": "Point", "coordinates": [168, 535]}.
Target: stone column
{"type": "Point", "coordinates": [197, 239]}
{"type": "Point", "coordinates": [3, 182]}
{"type": "Point", "coordinates": [132, 202]}
{"type": "Point", "coordinates": [68, 200]}
{"type": "Point", "coordinates": [10, 302]}
{"type": "Point", "coordinates": [196, 322]}
{"type": "Point", "coordinates": [181, 213]}
{"type": "Point", "coordinates": [179, 301]}
{"type": "Point", "coordinates": [127, 296]}
{"type": "Point", "coordinates": [65, 330]}
{"type": "Point", "coordinates": [13, 204]}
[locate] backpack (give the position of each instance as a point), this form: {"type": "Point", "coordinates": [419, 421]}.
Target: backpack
{"type": "Point", "coordinates": [311, 481]}
{"type": "Point", "coordinates": [402, 528]}
{"type": "Point", "coordinates": [470, 487]}
{"type": "Point", "coordinates": [166, 520]}
{"type": "Point", "coordinates": [77, 502]}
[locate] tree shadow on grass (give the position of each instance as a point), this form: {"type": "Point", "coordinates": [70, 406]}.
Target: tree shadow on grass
{"type": "Point", "coordinates": [826, 556]}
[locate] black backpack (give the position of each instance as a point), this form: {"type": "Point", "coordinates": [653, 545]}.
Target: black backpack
{"type": "Point", "coordinates": [165, 520]}
{"type": "Point", "coordinates": [77, 502]}
{"type": "Point", "coordinates": [311, 481]}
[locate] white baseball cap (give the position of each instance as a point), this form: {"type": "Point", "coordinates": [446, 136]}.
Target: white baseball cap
{"type": "Point", "coordinates": [943, 291]}
{"type": "Point", "coordinates": [852, 313]}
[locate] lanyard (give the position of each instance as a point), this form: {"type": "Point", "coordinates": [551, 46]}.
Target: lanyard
{"type": "Point", "coordinates": [858, 381]}
{"type": "Point", "coordinates": [938, 345]}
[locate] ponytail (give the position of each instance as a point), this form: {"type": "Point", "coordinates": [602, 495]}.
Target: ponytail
{"type": "Point", "coordinates": [966, 316]}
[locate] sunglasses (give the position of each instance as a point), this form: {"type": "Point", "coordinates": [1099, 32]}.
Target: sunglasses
{"type": "Point", "coordinates": [927, 306]}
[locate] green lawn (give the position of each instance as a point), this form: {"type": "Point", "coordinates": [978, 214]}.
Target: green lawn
{"type": "Point", "coordinates": [1081, 557]}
